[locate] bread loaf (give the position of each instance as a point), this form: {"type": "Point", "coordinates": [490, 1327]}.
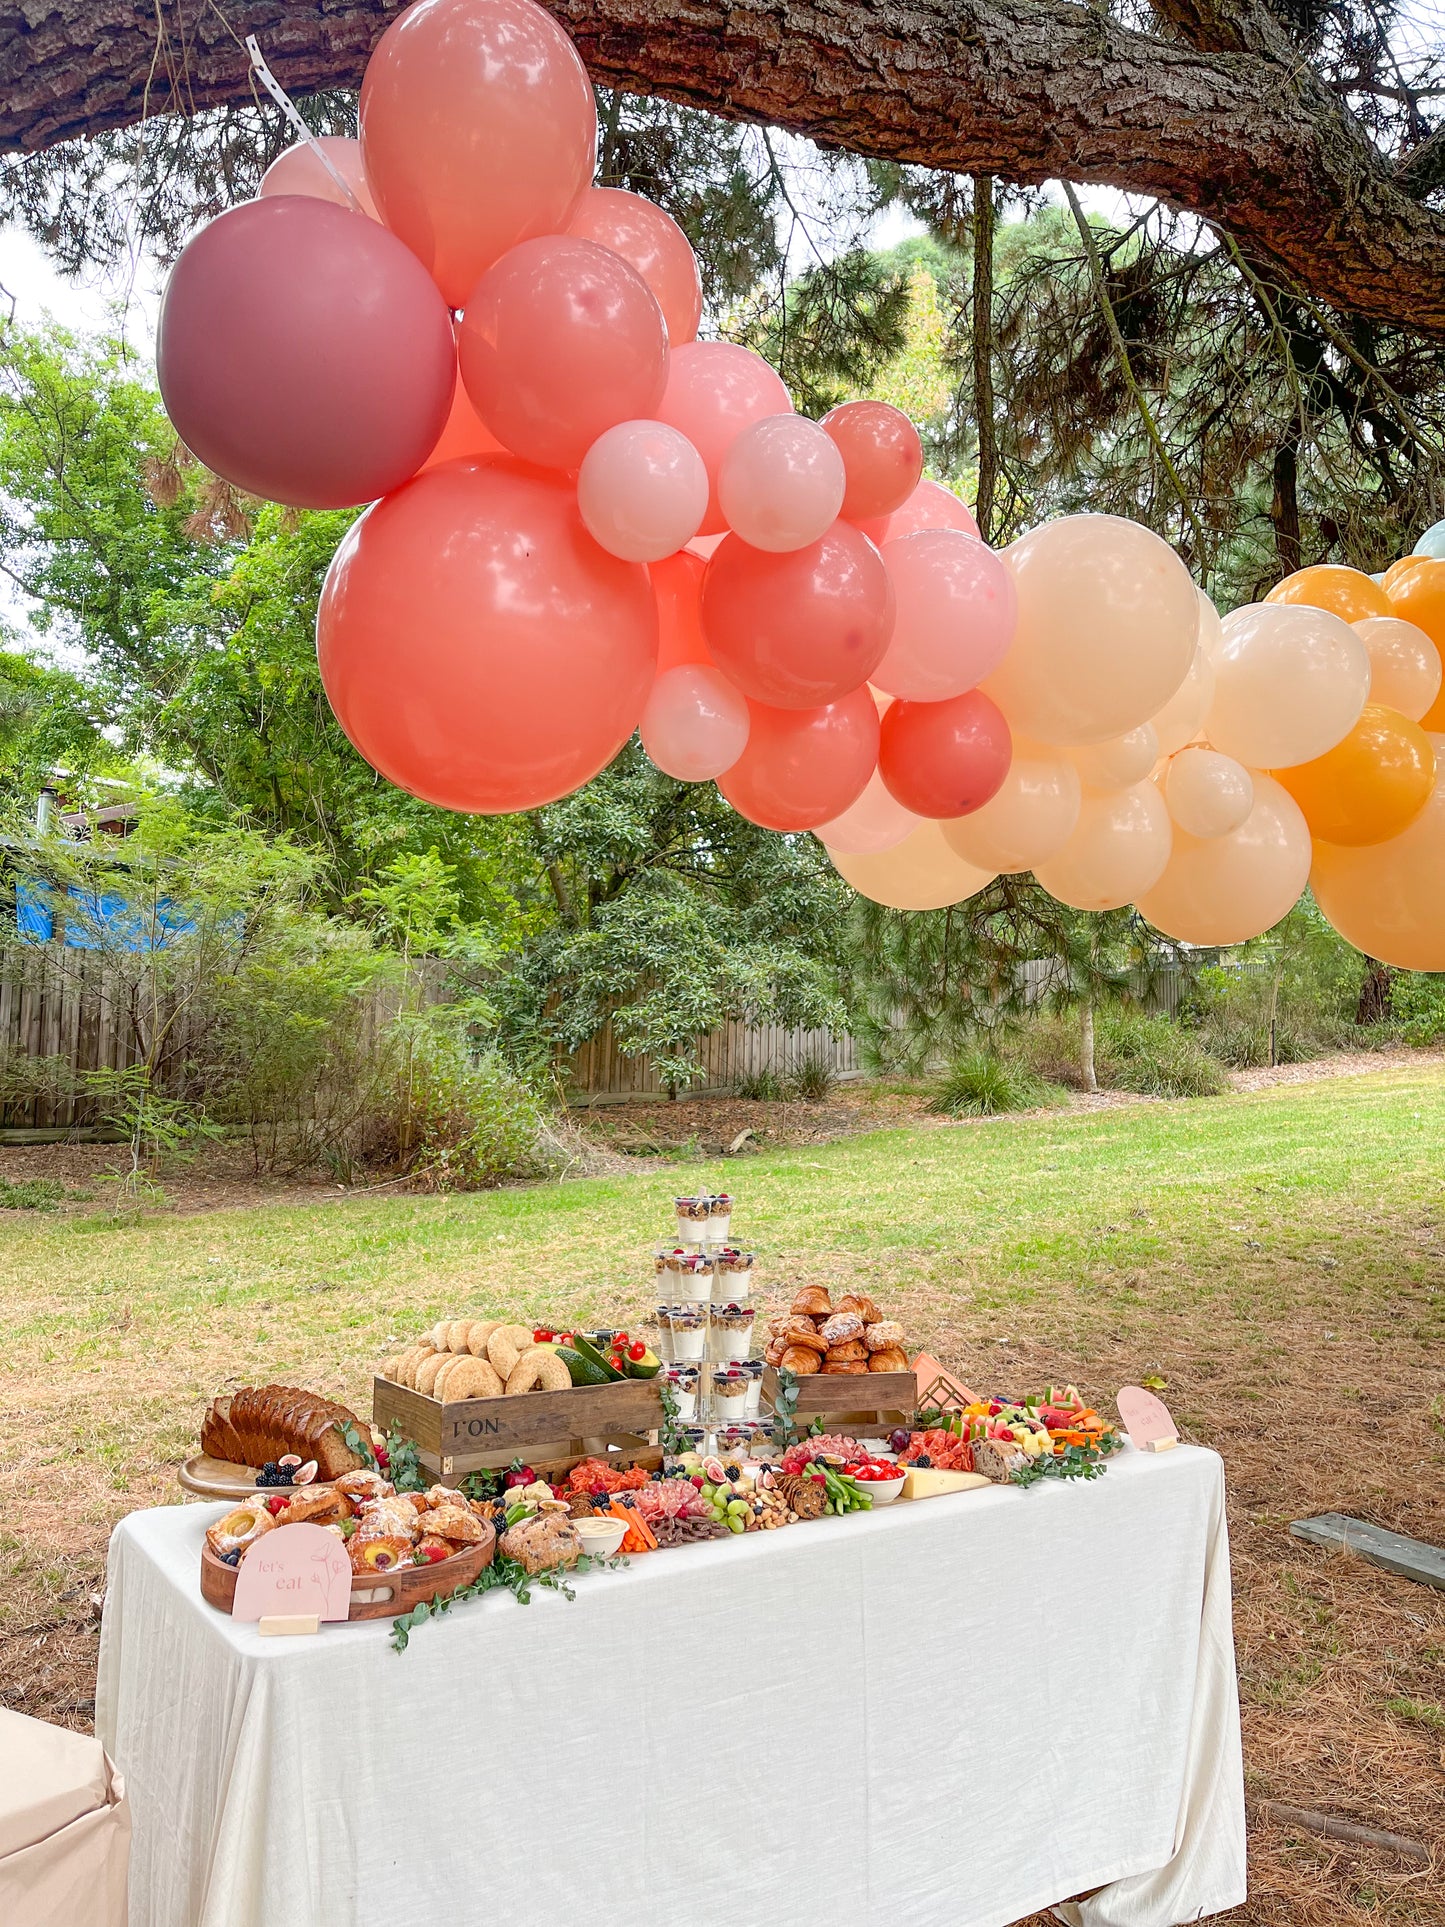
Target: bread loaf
{"type": "Point", "coordinates": [260, 1424]}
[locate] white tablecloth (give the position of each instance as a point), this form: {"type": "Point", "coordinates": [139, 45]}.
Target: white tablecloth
{"type": "Point", "coordinates": [958, 1710]}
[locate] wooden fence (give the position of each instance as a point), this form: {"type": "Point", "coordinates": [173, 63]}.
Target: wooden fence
{"type": "Point", "coordinates": [50, 1012]}
{"type": "Point", "coordinates": [598, 1073]}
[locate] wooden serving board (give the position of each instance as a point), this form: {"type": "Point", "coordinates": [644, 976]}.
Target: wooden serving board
{"type": "Point", "coordinates": [210, 1478]}
{"type": "Point", "coordinates": [381, 1596]}
{"type": "Point", "coordinates": [859, 1393]}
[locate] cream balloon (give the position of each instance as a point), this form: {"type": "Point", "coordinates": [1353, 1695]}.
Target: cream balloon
{"type": "Point", "coordinates": [1108, 620]}
{"type": "Point", "coordinates": [1029, 817]}
{"type": "Point", "coordinates": [1227, 889]}
{"type": "Point", "coordinates": [1289, 684]}
{"type": "Point", "coordinates": [1117, 850]}
{"type": "Point", "coordinates": [1207, 794]}
{"type": "Point", "coordinates": [1385, 898]}
{"type": "Point", "coordinates": [920, 873]}
{"type": "Point", "coordinates": [1182, 717]}
{"type": "Point", "coordinates": [876, 822]}
{"type": "Point", "coordinates": [1211, 631]}
{"type": "Point", "coordinates": [1404, 664]}
{"type": "Point", "coordinates": [1119, 763]}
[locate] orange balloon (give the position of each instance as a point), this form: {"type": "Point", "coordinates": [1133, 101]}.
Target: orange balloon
{"type": "Point", "coordinates": [1346, 593]}
{"type": "Point", "coordinates": [1416, 591]}
{"type": "Point", "coordinates": [803, 767]}
{"type": "Point", "coordinates": [1387, 900]}
{"type": "Point", "coordinates": [465, 433]}
{"type": "Point", "coordinates": [647, 237]}
{"type": "Point", "coordinates": [1368, 787]}
{"type": "Point", "coordinates": [677, 584]}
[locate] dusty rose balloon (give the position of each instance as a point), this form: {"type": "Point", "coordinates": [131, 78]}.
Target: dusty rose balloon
{"type": "Point", "coordinates": [714, 391]}
{"type": "Point", "coordinates": [561, 340]}
{"type": "Point", "coordinates": [881, 453]}
{"type": "Point", "coordinates": [944, 759]}
{"type": "Point", "coordinates": [800, 629]}
{"type": "Point", "coordinates": [876, 822]}
{"type": "Point", "coordinates": [642, 490]}
{"type": "Point", "coordinates": [695, 724]}
{"type": "Point", "coordinates": [478, 130]}
{"type": "Point", "coordinates": [1028, 819]}
{"type": "Point", "coordinates": [803, 767]}
{"type": "Point", "coordinates": [1116, 851]}
{"type": "Point", "coordinates": [464, 435]}
{"type": "Point", "coordinates": [303, 353]}
{"type": "Point", "coordinates": [300, 170]}
{"type": "Point", "coordinates": [1107, 626]}
{"type": "Point", "coordinates": [920, 873]}
{"type": "Point", "coordinates": [478, 648]}
{"type": "Point", "coordinates": [677, 585]}
{"type": "Point", "coordinates": [781, 484]}
{"type": "Point", "coordinates": [1289, 683]}
{"type": "Point", "coordinates": [955, 612]}
{"type": "Point", "coordinates": [648, 237]}
{"type": "Point", "coordinates": [1386, 898]}
{"type": "Point", "coordinates": [1404, 664]}
{"type": "Point", "coordinates": [1119, 763]}
{"type": "Point", "coordinates": [1227, 889]}
{"type": "Point", "coordinates": [1207, 794]}
{"type": "Point", "coordinates": [1182, 717]}
{"type": "Point", "coordinates": [930, 506]}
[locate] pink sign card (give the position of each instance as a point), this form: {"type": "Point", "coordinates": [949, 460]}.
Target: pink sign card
{"type": "Point", "coordinates": [1146, 1419]}
{"type": "Point", "coordinates": [294, 1570]}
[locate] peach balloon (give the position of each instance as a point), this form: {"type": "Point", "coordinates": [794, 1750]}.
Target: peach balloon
{"type": "Point", "coordinates": [1028, 819]}
{"type": "Point", "coordinates": [1107, 627]}
{"type": "Point", "coordinates": [947, 759]}
{"type": "Point", "coordinates": [1227, 889]}
{"type": "Point", "coordinates": [1121, 762]}
{"type": "Point", "coordinates": [800, 629]}
{"type": "Point", "coordinates": [1207, 794]}
{"type": "Point", "coordinates": [1404, 664]}
{"type": "Point", "coordinates": [695, 724]}
{"type": "Point", "coordinates": [1416, 589]}
{"type": "Point", "coordinates": [1290, 681]}
{"type": "Point", "coordinates": [780, 485]}
{"type": "Point", "coordinates": [920, 873]}
{"type": "Point", "coordinates": [714, 391]}
{"type": "Point", "coordinates": [464, 434]}
{"type": "Point", "coordinates": [930, 506]}
{"type": "Point", "coordinates": [648, 237]}
{"type": "Point", "coordinates": [1346, 593]}
{"type": "Point", "coordinates": [803, 767]}
{"type": "Point", "coordinates": [1386, 899]}
{"type": "Point", "coordinates": [677, 584]}
{"type": "Point", "coordinates": [300, 170]}
{"type": "Point", "coordinates": [560, 341]}
{"type": "Point", "coordinates": [642, 490]}
{"type": "Point", "coordinates": [882, 454]}
{"type": "Point", "coordinates": [1115, 853]}
{"type": "Point", "coordinates": [955, 615]}
{"type": "Point", "coordinates": [1182, 717]}
{"type": "Point", "coordinates": [478, 130]}
{"type": "Point", "coordinates": [1211, 631]}
{"type": "Point", "coordinates": [477, 646]}
{"type": "Point", "coordinates": [1371, 785]}
{"type": "Point", "coordinates": [876, 822]}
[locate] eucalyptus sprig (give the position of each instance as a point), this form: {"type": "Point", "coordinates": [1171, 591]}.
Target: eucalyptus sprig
{"type": "Point", "coordinates": [785, 1408]}
{"type": "Point", "coordinates": [1074, 1462]}
{"type": "Point", "coordinates": [669, 1435]}
{"type": "Point", "coordinates": [503, 1575]}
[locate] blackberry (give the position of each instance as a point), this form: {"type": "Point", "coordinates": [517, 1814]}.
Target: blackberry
{"type": "Point", "coordinates": [734, 1472]}
{"type": "Point", "coordinates": [923, 1459]}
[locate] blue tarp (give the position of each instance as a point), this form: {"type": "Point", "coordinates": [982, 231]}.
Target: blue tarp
{"type": "Point", "coordinates": [126, 928]}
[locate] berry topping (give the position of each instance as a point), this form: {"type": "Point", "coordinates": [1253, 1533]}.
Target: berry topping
{"type": "Point", "coordinates": [277, 1503]}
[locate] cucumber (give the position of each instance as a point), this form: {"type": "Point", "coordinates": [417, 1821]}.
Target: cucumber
{"type": "Point", "coordinates": [648, 1366]}
{"type": "Point", "coordinates": [590, 1356]}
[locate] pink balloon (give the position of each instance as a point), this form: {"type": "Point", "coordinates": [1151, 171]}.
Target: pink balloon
{"type": "Point", "coordinates": [876, 822]}
{"type": "Point", "coordinates": [560, 341]}
{"type": "Point", "coordinates": [465, 434]}
{"type": "Point", "coordinates": [803, 767]}
{"type": "Point", "coordinates": [478, 130]}
{"type": "Point", "coordinates": [781, 483]}
{"type": "Point", "coordinates": [801, 629]}
{"type": "Point", "coordinates": [695, 724]}
{"type": "Point", "coordinates": [642, 490]}
{"type": "Point", "coordinates": [304, 354]}
{"type": "Point", "coordinates": [882, 454]}
{"type": "Point", "coordinates": [648, 237]}
{"type": "Point", "coordinates": [300, 170]}
{"type": "Point", "coordinates": [946, 759]}
{"type": "Point", "coordinates": [714, 390]}
{"type": "Point", "coordinates": [957, 607]}
{"type": "Point", "coordinates": [928, 507]}
{"type": "Point", "coordinates": [677, 584]}
{"type": "Point", "coordinates": [478, 648]}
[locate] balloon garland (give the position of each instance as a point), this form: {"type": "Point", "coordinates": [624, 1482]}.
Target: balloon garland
{"type": "Point", "coordinates": [584, 521]}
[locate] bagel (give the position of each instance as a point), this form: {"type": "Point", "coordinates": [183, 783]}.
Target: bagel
{"type": "Point", "coordinates": [800, 1359]}
{"type": "Point", "coordinates": [457, 1333]}
{"type": "Point", "coordinates": [895, 1359]}
{"type": "Point", "coordinates": [443, 1378]}
{"type": "Point", "coordinates": [473, 1378]}
{"type": "Point", "coordinates": [240, 1528]}
{"type": "Point", "coordinates": [437, 1336]}
{"type": "Point", "coordinates": [389, 1365]}
{"type": "Point", "coordinates": [538, 1370]}
{"type": "Point", "coordinates": [480, 1331]}
{"type": "Point", "coordinates": [505, 1345]}
{"type": "Point", "coordinates": [428, 1370]}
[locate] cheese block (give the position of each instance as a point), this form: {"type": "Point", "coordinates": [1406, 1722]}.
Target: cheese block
{"type": "Point", "coordinates": [922, 1482]}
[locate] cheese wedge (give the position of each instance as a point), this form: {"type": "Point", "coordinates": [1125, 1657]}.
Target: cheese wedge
{"type": "Point", "coordinates": [922, 1482]}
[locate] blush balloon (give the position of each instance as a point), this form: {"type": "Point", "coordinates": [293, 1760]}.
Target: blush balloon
{"type": "Point", "coordinates": [561, 340]}
{"type": "Point", "coordinates": [1182, 717]}
{"type": "Point", "coordinates": [1120, 762]}
{"type": "Point", "coordinates": [781, 484]}
{"type": "Point", "coordinates": [876, 822]}
{"type": "Point", "coordinates": [920, 873]}
{"type": "Point", "coordinates": [304, 354]}
{"type": "Point", "coordinates": [930, 506]}
{"type": "Point", "coordinates": [945, 759]}
{"type": "Point", "coordinates": [1289, 683]}
{"type": "Point", "coordinates": [677, 585]}
{"type": "Point", "coordinates": [477, 646]}
{"type": "Point", "coordinates": [1207, 794]}
{"type": "Point", "coordinates": [1028, 819]}
{"type": "Point", "coordinates": [646, 236]}
{"type": "Point", "coordinates": [956, 610]}
{"type": "Point", "coordinates": [1116, 851]}
{"type": "Point", "coordinates": [714, 391]}
{"type": "Point", "coordinates": [1404, 664]}
{"type": "Point", "coordinates": [642, 490]}
{"type": "Point", "coordinates": [1229, 888]}
{"type": "Point", "coordinates": [300, 170]}
{"type": "Point", "coordinates": [478, 130]}
{"type": "Point", "coordinates": [801, 629]}
{"type": "Point", "coordinates": [882, 455]}
{"type": "Point", "coordinates": [695, 724]}
{"type": "Point", "coordinates": [803, 767]}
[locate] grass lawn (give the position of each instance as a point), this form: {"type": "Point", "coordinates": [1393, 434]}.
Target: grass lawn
{"type": "Point", "coordinates": [1278, 1258]}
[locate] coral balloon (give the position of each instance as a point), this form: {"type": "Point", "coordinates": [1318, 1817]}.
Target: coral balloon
{"type": "Point", "coordinates": [714, 391]}
{"type": "Point", "coordinates": [1028, 819]}
{"type": "Point", "coordinates": [1107, 626]}
{"type": "Point", "coordinates": [1386, 899]}
{"type": "Point", "coordinates": [300, 170]}
{"type": "Point", "coordinates": [920, 873]}
{"type": "Point", "coordinates": [801, 629]}
{"type": "Point", "coordinates": [944, 759]}
{"type": "Point", "coordinates": [695, 724]}
{"type": "Point", "coordinates": [1289, 683]}
{"type": "Point", "coordinates": [1416, 588]}
{"type": "Point", "coordinates": [882, 454]}
{"type": "Point", "coordinates": [1346, 593]}
{"type": "Point", "coordinates": [955, 616]}
{"type": "Point", "coordinates": [1207, 794]}
{"type": "Point", "coordinates": [561, 340]}
{"type": "Point", "coordinates": [464, 435]}
{"type": "Point", "coordinates": [930, 506]}
{"type": "Point", "coordinates": [803, 767]}
{"type": "Point", "coordinates": [677, 584]}
{"type": "Point", "coordinates": [642, 490]}
{"type": "Point", "coordinates": [876, 822]}
{"type": "Point", "coordinates": [1182, 717]}
{"type": "Point", "coordinates": [1371, 785]}
{"type": "Point", "coordinates": [478, 648]}
{"type": "Point", "coordinates": [1404, 664]}
{"type": "Point", "coordinates": [1227, 889]}
{"type": "Point", "coordinates": [1116, 852]}
{"type": "Point", "coordinates": [648, 237]}
{"type": "Point", "coordinates": [303, 354]}
{"type": "Point", "coordinates": [781, 484]}
{"type": "Point", "coordinates": [478, 130]}
{"type": "Point", "coordinates": [1121, 762]}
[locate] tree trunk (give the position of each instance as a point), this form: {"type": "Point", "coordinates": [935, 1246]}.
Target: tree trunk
{"type": "Point", "coordinates": [1086, 1045]}
{"type": "Point", "coordinates": [1284, 509]}
{"type": "Point", "coordinates": [1249, 138]}
{"type": "Point", "coordinates": [983, 228]}
{"type": "Point", "coordinates": [1374, 1004]}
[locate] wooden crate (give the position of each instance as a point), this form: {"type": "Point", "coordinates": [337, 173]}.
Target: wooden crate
{"type": "Point", "coordinates": [550, 1430]}
{"type": "Point", "coordinates": [874, 1399]}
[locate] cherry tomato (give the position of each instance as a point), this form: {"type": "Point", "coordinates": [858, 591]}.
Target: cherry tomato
{"type": "Point", "coordinates": [638, 1350]}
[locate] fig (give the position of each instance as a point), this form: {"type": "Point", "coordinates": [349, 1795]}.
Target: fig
{"type": "Point", "coordinates": [304, 1474]}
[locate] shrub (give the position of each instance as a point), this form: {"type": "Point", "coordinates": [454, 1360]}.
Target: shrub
{"type": "Point", "coordinates": [1154, 1056]}
{"type": "Point", "coordinates": [456, 1121]}
{"type": "Point", "coordinates": [1417, 1003]}
{"type": "Point", "coordinates": [810, 1079]}
{"type": "Point", "coordinates": [980, 1083]}
{"type": "Point", "coordinates": [759, 1086]}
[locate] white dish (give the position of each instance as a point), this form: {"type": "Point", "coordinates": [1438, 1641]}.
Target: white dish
{"type": "Point", "coordinates": [883, 1491]}
{"type": "Point", "coordinates": [600, 1537]}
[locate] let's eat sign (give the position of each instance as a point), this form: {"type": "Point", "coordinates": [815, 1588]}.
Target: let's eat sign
{"type": "Point", "coordinates": [294, 1572]}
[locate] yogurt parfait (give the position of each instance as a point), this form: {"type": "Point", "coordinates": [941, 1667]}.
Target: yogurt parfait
{"type": "Point", "coordinates": [754, 1369]}
{"type": "Point", "coordinates": [734, 1270]}
{"type": "Point", "coordinates": [729, 1393]}
{"type": "Point", "coordinates": [689, 1276]}
{"type": "Point", "coordinates": [683, 1379]}
{"type": "Point", "coordinates": [732, 1325]}
{"type": "Point", "coordinates": [694, 1216]}
{"type": "Point", "coordinates": [687, 1327]}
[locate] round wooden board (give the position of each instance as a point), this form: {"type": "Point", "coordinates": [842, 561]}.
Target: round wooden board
{"type": "Point", "coordinates": [209, 1478]}
{"type": "Point", "coordinates": [386, 1596]}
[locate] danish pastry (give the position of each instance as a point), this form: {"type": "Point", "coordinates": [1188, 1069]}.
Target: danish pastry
{"type": "Point", "coordinates": [505, 1346]}
{"type": "Point", "coordinates": [318, 1505]}
{"type": "Point", "coordinates": [379, 1554]}
{"type": "Point", "coordinates": [394, 1518]}
{"type": "Point", "coordinates": [240, 1528]}
{"type": "Point", "coordinates": [773, 1351]}
{"type": "Point", "coordinates": [892, 1359]}
{"type": "Point", "coordinates": [813, 1302]}
{"type": "Point", "coordinates": [802, 1331]}
{"type": "Point", "coordinates": [842, 1326]}
{"type": "Point", "coordinates": [863, 1305]}
{"type": "Point", "coordinates": [362, 1487]}
{"type": "Point", "coordinates": [850, 1351]}
{"type": "Point", "coordinates": [884, 1335]}
{"type": "Point", "coordinates": [538, 1370]}
{"type": "Point", "coordinates": [844, 1367]}
{"type": "Point", "coordinates": [800, 1359]}
{"type": "Point", "coordinates": [473, 1378]}
{"type": "Point", "coordinates": [427, 1545]}
{"type": "Point", "coordinates": [454, 1523]}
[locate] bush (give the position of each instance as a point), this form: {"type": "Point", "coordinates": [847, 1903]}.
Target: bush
{"type": "Point", "coordinates": [1154, 1056]}
{"type": "Point", "coordinates": [759, 1087]}
{"type": "Point", "coordinates": [981, 1084]}
{"type": "Point", "coordinates": [810, 1079]}
{"type": "Point", "coordinates": [1417, 1003]}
